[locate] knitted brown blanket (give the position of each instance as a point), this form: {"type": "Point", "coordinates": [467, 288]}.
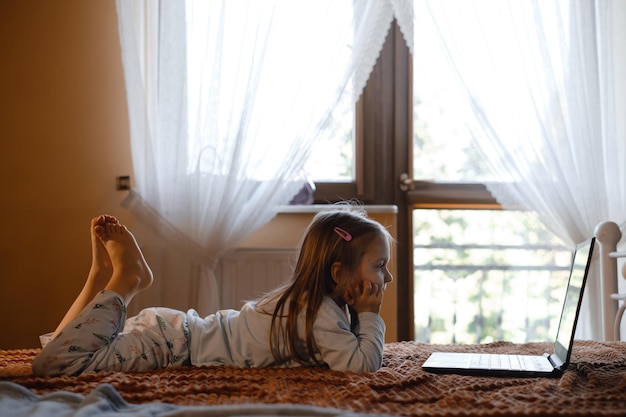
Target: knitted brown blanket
{"type": "Point", "coordinates": [594, 384]}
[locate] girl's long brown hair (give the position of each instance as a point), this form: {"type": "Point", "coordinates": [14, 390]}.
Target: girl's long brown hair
{"type": "Point", "coordinates": [312, 280]}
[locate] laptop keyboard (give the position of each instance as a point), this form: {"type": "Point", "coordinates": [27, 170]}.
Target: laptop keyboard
{"type": "Point", "coordinates": [510, 362]}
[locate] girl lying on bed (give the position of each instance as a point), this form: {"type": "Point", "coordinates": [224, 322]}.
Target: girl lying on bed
{"type": "Point", "coordinates": [327, 315]}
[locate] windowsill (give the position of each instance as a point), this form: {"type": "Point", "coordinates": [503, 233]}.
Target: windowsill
{"type": "Point", "coordinates": [316, 208]}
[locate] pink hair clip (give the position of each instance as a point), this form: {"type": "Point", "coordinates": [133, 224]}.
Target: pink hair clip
{"type": "Point", "coordinates": [343, 234]}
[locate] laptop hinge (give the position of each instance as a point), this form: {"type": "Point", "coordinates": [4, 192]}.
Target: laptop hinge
{"type": "Point", "coordinates": [555, 361]}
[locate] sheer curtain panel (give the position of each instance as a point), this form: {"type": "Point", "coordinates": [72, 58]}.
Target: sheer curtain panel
{"type": "Point", "coordinates": [225, 98]}
{"type": "Point", "coordinates": [545, 84]}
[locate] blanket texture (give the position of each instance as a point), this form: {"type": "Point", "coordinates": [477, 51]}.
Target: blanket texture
{"type": "Point", "coordinates": [594, 383]}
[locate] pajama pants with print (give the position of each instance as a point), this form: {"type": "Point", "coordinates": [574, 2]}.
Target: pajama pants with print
{"type": "Point", "coordinates": [100, 338]}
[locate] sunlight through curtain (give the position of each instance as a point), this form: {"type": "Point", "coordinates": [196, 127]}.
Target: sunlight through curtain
{"type": "Point", "coordinates": [225, 98]}
{"type": "Point", "coordinates": [546, 89]}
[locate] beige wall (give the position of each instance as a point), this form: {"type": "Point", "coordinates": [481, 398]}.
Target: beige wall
{"type": "Point", "coordinates": [64, 139]}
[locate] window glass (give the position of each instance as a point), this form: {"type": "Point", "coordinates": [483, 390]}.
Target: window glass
{"type": "Point", "coordinates": [332, 155]}
{"type": "Point", "coordinates": [442, 147]}
{"type": "Point", "coordinates": [285, 90]}
{"type": "Point", "coordinates": [485, 275]}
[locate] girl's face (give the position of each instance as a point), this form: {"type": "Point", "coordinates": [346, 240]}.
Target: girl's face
{"type": "Point", "coordinates": [374, 264]}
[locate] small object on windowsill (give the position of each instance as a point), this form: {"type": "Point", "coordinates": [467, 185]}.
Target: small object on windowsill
{"type": "Point", "coordinates": [305, 196]}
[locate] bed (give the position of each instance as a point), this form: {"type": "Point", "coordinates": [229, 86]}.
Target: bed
{"type": "Point", "coordinates": [593, 384]}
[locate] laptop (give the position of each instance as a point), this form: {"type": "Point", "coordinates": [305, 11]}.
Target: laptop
{"type": "Point", "coordinates": [548, 365]}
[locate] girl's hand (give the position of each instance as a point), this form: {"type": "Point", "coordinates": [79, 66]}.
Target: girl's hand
{"type": "Point", "coordinates": [365, 297]}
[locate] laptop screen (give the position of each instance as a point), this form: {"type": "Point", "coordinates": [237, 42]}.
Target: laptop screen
{"type": "Point", "coordinates": [573, 298]}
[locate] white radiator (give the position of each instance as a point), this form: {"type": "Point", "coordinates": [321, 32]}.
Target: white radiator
{"type": "Point", "coordinates": [245, 274]}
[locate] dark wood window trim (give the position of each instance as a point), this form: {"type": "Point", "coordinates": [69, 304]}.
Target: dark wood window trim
{"type": "Point", "coordinates": [426, 194]}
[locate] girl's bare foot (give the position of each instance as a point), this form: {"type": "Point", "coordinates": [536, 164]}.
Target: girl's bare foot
{"type": "Point", "coordinates": [101, 267]}
{"type": "Point", "coordinates": [131, 273]}
{"type": "Point", "coordinates": [99, 275]}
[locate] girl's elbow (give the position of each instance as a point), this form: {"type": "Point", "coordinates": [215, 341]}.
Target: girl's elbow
{"type": "Point", "coordinates": [371, 367]}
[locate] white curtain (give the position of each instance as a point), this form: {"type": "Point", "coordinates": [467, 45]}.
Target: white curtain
{"type": "Point", "coordinates": [546, 84]}
{"type": "Point", "coordinates": [225, 98]}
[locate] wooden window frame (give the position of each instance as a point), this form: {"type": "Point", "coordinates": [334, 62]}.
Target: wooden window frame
{"type": "Point", "coordinates": [384, 133]}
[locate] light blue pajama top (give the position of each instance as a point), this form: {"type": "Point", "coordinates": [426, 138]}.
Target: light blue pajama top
{"type": "Point", "coordinates": [241, 338]}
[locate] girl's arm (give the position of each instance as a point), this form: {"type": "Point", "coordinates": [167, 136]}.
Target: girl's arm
{"type": "Point", "coordinates": [360, 350]}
